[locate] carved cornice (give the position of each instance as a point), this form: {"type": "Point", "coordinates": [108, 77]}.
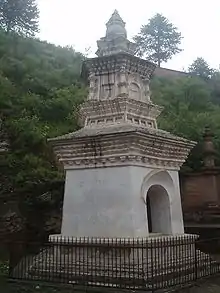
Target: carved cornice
{"type": "Point", "coordinates": [121, 62]}
{"type": "Point", "coordinates": [134, 148]}
{"type": "Point", "coordinates": [119, 109]}
{"type": "Point", "coordinates": [123, 160]}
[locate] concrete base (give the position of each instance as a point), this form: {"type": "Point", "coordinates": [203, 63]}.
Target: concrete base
{"type": "Point", "coordinates": [115, 201]}
{"type": "Point", "coordinates": [144, 263]}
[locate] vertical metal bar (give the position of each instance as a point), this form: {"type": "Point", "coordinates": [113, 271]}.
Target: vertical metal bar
{"type": "Point", "coordinates": [195, 261]}
{"type": "Point", "coordinates": [74, 260]}
{"type": "Point", "coordinates": [138, 274]}
{"type": "Point", "coordinates": [152, 264]}
{"type": "Point", "coordinates": [133, 262]}
{"type": "Point", "coordinates": [119, 262]}
{"type": "Point", "coordinates": [68, 261]}
{"type": "Point", "coordinates": [124, 261]}
{"type": "Point", "coordinates": [82, 263]}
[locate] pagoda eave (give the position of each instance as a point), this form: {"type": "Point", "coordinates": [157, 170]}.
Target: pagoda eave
{"type": "Point", "coordinates": [121, 61]}
{"type": "Point", "coordinates": [129, 147]}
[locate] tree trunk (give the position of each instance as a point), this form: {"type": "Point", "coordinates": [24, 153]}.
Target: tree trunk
{"type": "Point", "coordinates": [158, 49]}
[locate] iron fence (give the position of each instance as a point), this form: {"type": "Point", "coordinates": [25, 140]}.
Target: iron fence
{"type": "Point", "coordinates": [139, 264]}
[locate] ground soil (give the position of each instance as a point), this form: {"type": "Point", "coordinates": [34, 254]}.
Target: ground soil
{"type": "Point", "coordinates": [211, 285]}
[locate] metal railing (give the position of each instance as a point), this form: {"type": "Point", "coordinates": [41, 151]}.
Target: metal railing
{"type": "Point", "coordinates": [139, 264]}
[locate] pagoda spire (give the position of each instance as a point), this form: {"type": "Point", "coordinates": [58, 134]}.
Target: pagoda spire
{"type": "Point", "coordinates": [115, 40]}
{"type": "Point", "coordinates": [115, 26]}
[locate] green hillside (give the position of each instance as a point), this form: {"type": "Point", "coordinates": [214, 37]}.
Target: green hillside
{"type": "Point", "coordinates": [40, 87]}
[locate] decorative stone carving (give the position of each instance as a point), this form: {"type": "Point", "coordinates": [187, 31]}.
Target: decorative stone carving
{"type": "Point", "coordinates": [152, 148]}
{"type": "Point", "coordinates": [122, 108]}
{"type": "Point", "coordinates": [93, 85]}
{"type": "Point", "coordinates": [134, 91]}
{"type": "Point", "coordinates": [147, 92]}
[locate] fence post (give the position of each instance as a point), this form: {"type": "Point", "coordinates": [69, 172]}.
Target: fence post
{"type": "Point", "coordinates": [195, 258]}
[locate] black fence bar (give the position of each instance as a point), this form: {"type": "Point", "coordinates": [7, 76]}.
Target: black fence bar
{"type": "Point", "coordinates": [146, 264]}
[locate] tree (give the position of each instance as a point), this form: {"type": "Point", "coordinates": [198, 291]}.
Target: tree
{"type": "Point", "coordinates": [20, 16]}
{"type": "Point", "coordinates": [41, 89]}
{"type": "Point", "coordinates": [158, 41]}
{"type": "Point", "coordinates": [201, 68]}
{"type": "Point", "coordinates": [188, 108]}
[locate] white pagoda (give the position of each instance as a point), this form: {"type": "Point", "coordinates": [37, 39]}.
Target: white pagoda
{"type": "Point", "coordinates": [121, 170]}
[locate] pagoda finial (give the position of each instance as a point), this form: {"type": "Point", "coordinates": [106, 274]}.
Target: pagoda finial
{"type": "Point", "coordinates": [115, 26]}
{"type": "Point", "coordinates": [209, 151]}
{"type": "Point", "coordinates": [115, 18]}
{"type": "Point", "coordinates": [115, 40]}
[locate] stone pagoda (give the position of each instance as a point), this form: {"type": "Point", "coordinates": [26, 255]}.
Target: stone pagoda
{"type": "Point", "coordinates": [121, 170]}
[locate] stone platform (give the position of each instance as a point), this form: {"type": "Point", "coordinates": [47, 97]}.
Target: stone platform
{"type": "Point", "coordinates": [142, 263]}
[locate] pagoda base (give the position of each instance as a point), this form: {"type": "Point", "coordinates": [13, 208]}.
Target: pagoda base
{"type": "Point", "coordinates": [121, 201]}
{"type": "Point", "coordinates": [141, 263]}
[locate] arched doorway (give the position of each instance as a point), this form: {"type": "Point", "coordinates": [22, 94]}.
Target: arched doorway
{"type": "Point", "coordinates": [158, 210]}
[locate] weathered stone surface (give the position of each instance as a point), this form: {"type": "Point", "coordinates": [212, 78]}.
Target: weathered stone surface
{"type": "Point", "coordinates": [119, 104]}
{"type": "Point", "coordinates": [115, 40]}
{"type": "Point", "coordinates": [121, 144]}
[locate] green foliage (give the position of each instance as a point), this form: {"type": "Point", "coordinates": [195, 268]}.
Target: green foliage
{"type": "Point", "coordinates": [214, 83]}
{"type": "Point", "coordinates": [40, 91]}
{"type": "Point", "coordinates": [200, 68]}
{"type": "Point", "coordinates": [4, 268]}
{"type": "Point", "coordinates": [188, 108]}
{"type": "Point", "coordinates": [20, 16]}
{"type": "Point", "coordinates": [159, 40]}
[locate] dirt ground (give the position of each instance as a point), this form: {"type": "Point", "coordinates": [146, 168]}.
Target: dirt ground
{"type": "Point", "coordinates": [210, 285]}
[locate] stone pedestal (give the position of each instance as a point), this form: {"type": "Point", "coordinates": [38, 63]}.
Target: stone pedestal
{"type": "Point", "coordinates": [142, 263]}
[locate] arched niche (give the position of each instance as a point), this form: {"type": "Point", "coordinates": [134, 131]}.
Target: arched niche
{"type": "Point", "coordinates": [159, 192]}
{"type": "Point", "coordinates": [134, 91]}
{"type": "Point", "coordinates": [158, 210]}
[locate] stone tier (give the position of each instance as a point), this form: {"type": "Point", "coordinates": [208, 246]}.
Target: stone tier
{"type": "Point", "coordinates": [107, 47]}
{"type": "Point", "coordinates": [122, 144]}
{"type": "Point", "coordinates": [121, 62]}
{"type": "Point", "coordinates": [111, 111]}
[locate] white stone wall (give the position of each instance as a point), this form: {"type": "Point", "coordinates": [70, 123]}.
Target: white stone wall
{"type": "Point", "coordinates": [111, 202]}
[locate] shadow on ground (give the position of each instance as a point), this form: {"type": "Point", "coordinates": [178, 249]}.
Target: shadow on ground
{"type": "Point", "coordinates": [211, 285]}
